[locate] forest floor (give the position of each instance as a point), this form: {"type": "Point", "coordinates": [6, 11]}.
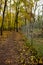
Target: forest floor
{"type": "Point", "coordinates": [13, 50]}
{"type": "Point", "coordinates": [11, 45]}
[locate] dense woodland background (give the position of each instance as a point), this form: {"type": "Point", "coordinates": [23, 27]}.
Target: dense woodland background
{"type": "Point", "coordinates": [18, 18]}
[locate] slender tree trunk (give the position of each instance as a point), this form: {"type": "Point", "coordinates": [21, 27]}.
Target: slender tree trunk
{"type": "Point", "coordinates": [31, 28]}
{"type": "Point", "coordinates": [3, 17]}
{"type": "Point", "coordinates": [0, 5]}
{"type": "Point", "coordinates": [25, 24]}
{"type": "Point", "coordinates": [16, 20]}
{"type": "Point", "coordinates": [25, 21]}
{"type": "Point", "coordinates": [42, 20]}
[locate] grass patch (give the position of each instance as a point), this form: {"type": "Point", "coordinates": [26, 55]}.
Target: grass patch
{"type": "Point", "coordinates": [37, 44]}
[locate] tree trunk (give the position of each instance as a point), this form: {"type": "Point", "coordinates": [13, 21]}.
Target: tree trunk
{"type": "Point", "coordinates": [16, 20]}
{"type": "Point", "coordinates": [3, 17]}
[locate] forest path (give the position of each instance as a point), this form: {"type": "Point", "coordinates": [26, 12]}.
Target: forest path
{"type": "Point", "coordinates": [11, 48]}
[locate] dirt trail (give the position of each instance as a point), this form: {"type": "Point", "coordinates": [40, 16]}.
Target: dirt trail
{"type": "Point", "coordinates": [10, 49]}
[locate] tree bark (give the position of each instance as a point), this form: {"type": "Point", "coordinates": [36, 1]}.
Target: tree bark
{"type": "Point", "coordinates": [3, 16]}
{"type": "Point", "coordinates": [16, 20]}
